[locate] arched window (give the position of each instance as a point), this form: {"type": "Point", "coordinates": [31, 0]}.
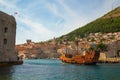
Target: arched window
{"type": "Point", "coordinates": [5, 30]}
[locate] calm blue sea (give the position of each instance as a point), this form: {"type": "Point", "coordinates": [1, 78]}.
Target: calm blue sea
{"type": "Point", "coordinates": [42, 69]}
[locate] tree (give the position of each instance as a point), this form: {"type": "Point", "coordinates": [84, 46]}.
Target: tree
{"type": "Point", "coordinates": [101, 47]}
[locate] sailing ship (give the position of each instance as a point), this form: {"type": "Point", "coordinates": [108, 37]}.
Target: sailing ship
{"type": "Point", "coordinates": [89, 57]}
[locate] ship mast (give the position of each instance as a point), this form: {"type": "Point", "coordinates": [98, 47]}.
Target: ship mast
{"type": "Point", "coordinates": [76, 42]}
{"type": "Point", "coordinates": [66, 42]}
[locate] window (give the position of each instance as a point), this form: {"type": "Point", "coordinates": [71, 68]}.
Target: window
{"type": "Point", "coordinates": [5, 41]}
{"type": "Point", "coordinates": [3, 21]}
{"type": "Point", "coordinates": [5, 30]}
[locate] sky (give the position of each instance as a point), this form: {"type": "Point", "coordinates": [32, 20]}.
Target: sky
{"type": "Point", "coordinates": [41, 20]}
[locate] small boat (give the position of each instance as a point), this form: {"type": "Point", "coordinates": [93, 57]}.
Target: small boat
{"type": "Point", "coordinates": [89, 58]}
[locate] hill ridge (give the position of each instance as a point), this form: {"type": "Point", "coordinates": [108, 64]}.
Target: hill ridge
{"type": "Point", "coordinates": [113, 13]}
{"type": "Point", "coordinates": [110, 22]}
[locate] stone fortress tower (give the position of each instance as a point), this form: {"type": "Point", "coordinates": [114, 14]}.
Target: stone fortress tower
{"type": "Point", "coordinates": [7, 38]}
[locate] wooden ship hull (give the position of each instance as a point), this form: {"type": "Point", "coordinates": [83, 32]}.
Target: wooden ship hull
{"type": "Point", "coordinates": [87, 59]}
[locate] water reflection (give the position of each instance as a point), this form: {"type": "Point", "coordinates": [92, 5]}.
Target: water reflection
{"type": "Point", "coordinates": [6, 73]}
{"type": "Point", "coordinates": [79, 72]}
{"type": "Point", "coordinates": [55, 70]}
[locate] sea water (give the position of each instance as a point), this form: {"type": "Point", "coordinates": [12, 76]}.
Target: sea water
{"type": "Point", "coordinates": [45, 69]}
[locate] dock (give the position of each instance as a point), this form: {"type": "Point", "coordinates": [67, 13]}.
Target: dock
{"type": "Point", "coordinates": [110, 60]}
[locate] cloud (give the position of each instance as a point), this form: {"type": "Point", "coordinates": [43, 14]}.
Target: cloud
{"type": "Point", "coordinates": [105, 7]}
{"type": "Point", "coordinates": [43, 19]}
{"type": "Point", "coordinates": [69, 18]}
{"type": "Point", "coordinates": [37, 31]}
{"type": "Point", "coordinates": [35, 26]}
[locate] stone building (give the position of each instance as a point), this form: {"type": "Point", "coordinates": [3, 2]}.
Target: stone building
{"type": "Point", "coordinates": [7, 38]}
{"type": "Point", "coordinates": [113, 49]}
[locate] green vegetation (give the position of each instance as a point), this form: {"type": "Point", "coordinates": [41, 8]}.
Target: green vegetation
{"type": "Point", "coordinates": [101, 47]}
{"type": "Point", "coordinates": [108, 23]}
{"type": "Point", "coordinates": [100, 25]}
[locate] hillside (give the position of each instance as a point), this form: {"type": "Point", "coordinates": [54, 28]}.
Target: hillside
{"type": "Point", "coordinates": [108, 26]}
{"type": "Point", "coordinates": [110, 22]}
